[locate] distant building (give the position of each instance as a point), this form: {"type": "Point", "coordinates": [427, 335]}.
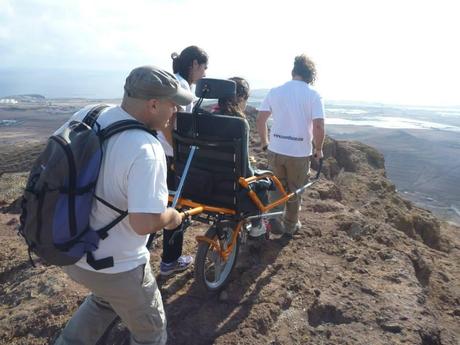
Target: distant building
{"type": "Point", "coordinates": [8, 101]}
{"type": "Point", "coordinates": [30, 98]}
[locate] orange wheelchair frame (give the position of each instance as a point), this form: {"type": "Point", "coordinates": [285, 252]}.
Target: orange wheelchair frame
{"type": "Point", "coordinates": [222, 250]}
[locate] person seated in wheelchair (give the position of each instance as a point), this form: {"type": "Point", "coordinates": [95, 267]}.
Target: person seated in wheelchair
{"type": "Point", "coordinates": [235, 106]}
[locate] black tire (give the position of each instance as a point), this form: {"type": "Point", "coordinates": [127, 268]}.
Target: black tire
{"type": "Point", "coordinates": [206, 259]}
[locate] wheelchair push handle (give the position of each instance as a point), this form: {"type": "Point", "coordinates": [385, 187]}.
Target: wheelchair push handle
{"type": "Point", "coordinates": [185, 222]}
{"type": "Point", "coordinates": [191, 212]}
{"type": "Point", "coordinates": [313, 180]}
{"type": "Point", "coordinates": [320, 167]}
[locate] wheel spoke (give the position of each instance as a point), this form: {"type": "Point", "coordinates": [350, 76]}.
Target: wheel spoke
{"type": "Point", "coordinates": [215, 265]}
{"type": "Point", "coordinates": [216, 270]}
{"type": "Point", "coordinates": [214, 256]}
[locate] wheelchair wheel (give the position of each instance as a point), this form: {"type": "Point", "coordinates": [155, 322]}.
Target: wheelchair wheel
{"type": "Point", "coordinates": [211, 271]}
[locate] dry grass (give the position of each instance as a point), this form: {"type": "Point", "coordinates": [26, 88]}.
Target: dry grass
{"type": "Point", "coordinates": [12, 186]}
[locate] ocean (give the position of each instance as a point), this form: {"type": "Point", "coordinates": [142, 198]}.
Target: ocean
{"type": "Point", "coordinates": [421, 146]}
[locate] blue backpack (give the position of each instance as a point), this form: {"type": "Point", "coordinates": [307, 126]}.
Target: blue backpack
{"type": "Point", "coordinates": [57, 200]}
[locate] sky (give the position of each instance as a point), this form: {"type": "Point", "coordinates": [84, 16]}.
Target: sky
{"type": "Point", "coordinates": [389, 51]}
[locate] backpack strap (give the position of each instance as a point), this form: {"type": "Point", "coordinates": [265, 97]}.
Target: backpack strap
{"type": "Point", "coordinates": [92, 115]}
{"type": "Point", "coordinates": [105, 134]}
{"type": "Point", "coordinates": [99, 264]}
{"type": "Point", "coordinates": [102, 233]}
{"type": "Point", "coordinates": [124, 125]}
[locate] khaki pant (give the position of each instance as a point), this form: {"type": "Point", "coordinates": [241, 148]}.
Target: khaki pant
{"type": "Point", "coordinates": [132, 295]}
{"type": "Point", "coordinates": [293, 173]}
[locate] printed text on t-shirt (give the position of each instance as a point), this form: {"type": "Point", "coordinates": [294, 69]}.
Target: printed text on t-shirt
{"type": "Point", "coordinates": [288, 137]}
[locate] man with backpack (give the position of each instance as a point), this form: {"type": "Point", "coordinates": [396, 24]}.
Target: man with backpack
{"type": "Point", "coordinates": [132, 177]}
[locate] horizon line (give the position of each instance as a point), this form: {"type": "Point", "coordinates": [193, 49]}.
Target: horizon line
{"type": "Point", "coordinates": [342, 101]}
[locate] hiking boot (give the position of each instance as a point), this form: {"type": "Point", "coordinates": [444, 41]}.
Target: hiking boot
{"type": "Point", "coordinates": [179, 265]}
{"type": "Point", "coordinates": [258, 231]}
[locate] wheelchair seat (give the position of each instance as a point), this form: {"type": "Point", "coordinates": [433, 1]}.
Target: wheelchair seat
{"type": "Point", "coordinates": [220, 159]}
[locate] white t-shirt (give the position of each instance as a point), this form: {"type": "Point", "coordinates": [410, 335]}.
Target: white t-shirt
{"type": "Point", "coordinates": [293, 106]}
{"type": "Point", "coordinates": [188, 108]}
{"type": "Point", "coordinates": [133, 178]}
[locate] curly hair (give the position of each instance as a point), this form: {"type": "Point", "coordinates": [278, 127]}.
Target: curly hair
{"type": "Point", "coordinates": [305, 68]}
{"type": "Point", "coordinates": [230, 105]}
{"type": "Point", "coordinates": [183, 63]}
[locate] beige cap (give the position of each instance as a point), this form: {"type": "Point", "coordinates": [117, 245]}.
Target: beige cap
{"type": "Point", "coordinates": [147, 82]}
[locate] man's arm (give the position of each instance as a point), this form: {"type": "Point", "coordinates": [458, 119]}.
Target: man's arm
{"type": "Point", "coordinates": [261, 124]}
{"type": "Point", "coordinates": [147, 223]}
{"type": "Point", "coordinates": [318, 137]}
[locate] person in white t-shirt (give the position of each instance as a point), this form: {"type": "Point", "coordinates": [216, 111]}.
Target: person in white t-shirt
{"type": "Point", "coordinates": [132, 178]}
{"type": "Point", "coordinates": [297, 110]}
{"type": "Point", "coordinates": [188, 68]}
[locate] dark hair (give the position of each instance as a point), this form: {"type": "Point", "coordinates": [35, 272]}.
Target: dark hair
{"type": "Point", "coordinates": [183, 63]}
{"type": "Point", "coordinates": [304, 67]}
{"type": "Point", "coordinates": [230, 106]}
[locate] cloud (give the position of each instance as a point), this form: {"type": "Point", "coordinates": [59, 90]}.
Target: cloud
{"type": "Point", "coordinates": [387, 50]}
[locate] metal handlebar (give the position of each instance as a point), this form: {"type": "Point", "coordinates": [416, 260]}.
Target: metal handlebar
{"type": "Point", "coordinates": [197, 210]}
{"type": "Point", "coordinates": [320, 167]}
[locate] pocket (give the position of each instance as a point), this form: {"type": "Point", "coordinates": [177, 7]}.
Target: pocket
{"type": "Point", "coordinates": [302, 167]}
{"type": "Point", "coordinates": [147, 276]}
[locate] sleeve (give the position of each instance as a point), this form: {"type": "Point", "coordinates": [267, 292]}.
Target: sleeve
{"type": "Point", "coordinates": [147, 189]}
{"type": "Point", "coordinates": [169, 151]}
{"type": "Point", "coordinates": [317, 107]}
{"type": "Point", "coordinates": [265, 105]}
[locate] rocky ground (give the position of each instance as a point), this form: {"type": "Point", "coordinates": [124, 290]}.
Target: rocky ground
{"type": "Point", "coordinates": [367, 267]}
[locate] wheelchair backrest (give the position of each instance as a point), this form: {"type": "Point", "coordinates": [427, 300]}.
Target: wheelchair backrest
{"type": "Point", "coordinates": [220, 159]}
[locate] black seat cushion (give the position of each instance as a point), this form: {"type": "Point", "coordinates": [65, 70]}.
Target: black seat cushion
{"type": "Point", "coordinates": [220, 159]}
